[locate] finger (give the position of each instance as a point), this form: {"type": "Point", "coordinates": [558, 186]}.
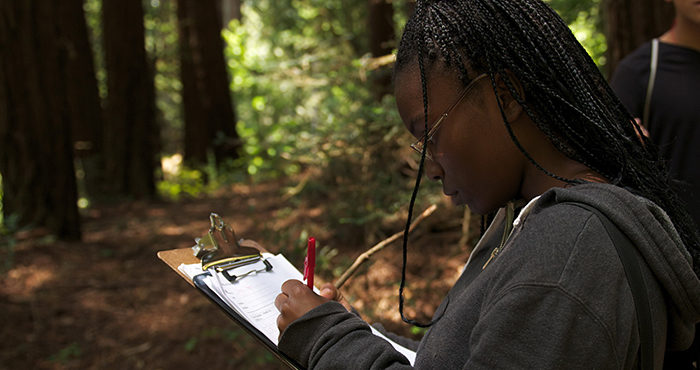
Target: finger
{"type": "Point", "coordinates": [280, 300]}
{"type": "Point", "coordinates": [292, 287]}
{"type": "Point", "coordinates": [329, 291]}
{"type": "Point", "coordinates": [282, 324]}
{"type": "Point", "coordinates": [282, 304]}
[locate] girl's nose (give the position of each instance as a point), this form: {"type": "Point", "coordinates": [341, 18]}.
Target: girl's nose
{"type": "Point", "coordinates": [433, 169]}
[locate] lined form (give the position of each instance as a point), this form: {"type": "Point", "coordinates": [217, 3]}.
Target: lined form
{"type": "Point", "coordinates": [253, 296]}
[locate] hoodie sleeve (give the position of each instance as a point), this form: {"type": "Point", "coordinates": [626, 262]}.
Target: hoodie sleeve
{"type": "Point", "coordinates": [329, 337]}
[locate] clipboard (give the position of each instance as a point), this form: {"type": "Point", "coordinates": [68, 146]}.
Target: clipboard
{"type": "Point", "coordinates": [175, 257]}
{"type": "Point", "coordinates": [218, 261]}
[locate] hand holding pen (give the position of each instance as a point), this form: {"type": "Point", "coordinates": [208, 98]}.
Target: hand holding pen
{"type": "Point", "coordinates": [295, 299]}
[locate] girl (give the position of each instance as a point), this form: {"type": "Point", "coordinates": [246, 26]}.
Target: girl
{"type": "Point", "coordinates": [510, 113]}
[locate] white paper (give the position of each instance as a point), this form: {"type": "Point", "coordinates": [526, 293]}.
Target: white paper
{"type": "Point", "coordinates": [410, 355]}
{"type": "Point", "coordinates": [253, 296]}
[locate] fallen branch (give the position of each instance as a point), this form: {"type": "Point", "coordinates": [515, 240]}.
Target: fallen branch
{"type": "Point", "coordinates": [379, 246]}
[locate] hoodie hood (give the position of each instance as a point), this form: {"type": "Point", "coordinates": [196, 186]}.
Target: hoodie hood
{"type": "Point", "coordinates": [653, 234]}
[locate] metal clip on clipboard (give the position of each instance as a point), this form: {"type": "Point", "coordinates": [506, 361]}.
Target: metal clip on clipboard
{"type": "Point", "coordinates": [219, 249]}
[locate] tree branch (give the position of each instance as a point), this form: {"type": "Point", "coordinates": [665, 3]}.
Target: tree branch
{"type": "Point", "coordinates": [379, 246]}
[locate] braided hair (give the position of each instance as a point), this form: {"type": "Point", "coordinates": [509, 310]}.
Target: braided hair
{"type": "Point", "coordinates": [568, 98]}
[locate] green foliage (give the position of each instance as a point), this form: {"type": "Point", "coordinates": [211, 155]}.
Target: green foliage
{"type": "Point", "coordinates": [93, 10]}
{"type": "Point", "coordinates": [191, 344]}
{"type": "Point", "coordinates": [300, 27]}
{"type": "Point", "coordinates": [161, 40]}
{"type": "Point", "coordinates": [179, 180]}
{"type": "Point", "coordinates": [305, 102]}
{"type": "Point", "coordinates": [305, 105]}
{"type": "Point", "coordinates": [8, 224]}
{"type": "Point", "coordinates": [325, 257]}
{"type": "Point", "coordinates": [586, 23]}
{"type": "Point", "coordinates": [186, 182]}
{"type": "Point", "coordinates": [7, 251]}
{"type": "Point", "coordinates": [66, 354]}
{"type": "Point", "coordinates": [2, 223]}
{"type": "Point", "coordinates": [417, 331]}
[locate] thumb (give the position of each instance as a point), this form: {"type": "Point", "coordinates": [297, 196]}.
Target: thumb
{"type": "Point", "coordinates": [329, 291]}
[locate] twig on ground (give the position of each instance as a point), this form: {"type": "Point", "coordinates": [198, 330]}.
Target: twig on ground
{"type": "Point", "coordinates": [379, 246]}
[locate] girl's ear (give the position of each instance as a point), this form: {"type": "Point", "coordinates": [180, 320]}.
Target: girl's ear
{"type": "Point", "coordinates": [510, 105]}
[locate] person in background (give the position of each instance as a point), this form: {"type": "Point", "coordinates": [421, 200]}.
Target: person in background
{"type": "Point", "coordinates": [659, 83]}
{"type": "Point", "coordinates": [511, 115]}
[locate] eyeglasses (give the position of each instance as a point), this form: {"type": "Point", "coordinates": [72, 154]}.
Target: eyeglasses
{"type": "Point", "coordinates": [418, 145]}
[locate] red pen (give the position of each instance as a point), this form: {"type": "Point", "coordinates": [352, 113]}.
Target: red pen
{"type": "Point", "coordinates": [310, 263]}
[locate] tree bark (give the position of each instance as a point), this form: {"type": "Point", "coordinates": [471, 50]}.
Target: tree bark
{"type": "Point", "coordinates": [382, 40]}
{"type": "Point", "coordinates": [131, 140]}
{"type": "Point", "coordinates": [209, 115]}
{"type": "Point", "coordinates": [83, 97]}
{"type": "Point", "coordinates": [229, 10]}
{"type": "Point", "coordinates": [630, 23]}
{"type": "Point", "coordinates": [36, 160]}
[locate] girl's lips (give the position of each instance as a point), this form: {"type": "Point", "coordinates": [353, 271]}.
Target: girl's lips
{"type": "Point", "coordinates": [454, 197]}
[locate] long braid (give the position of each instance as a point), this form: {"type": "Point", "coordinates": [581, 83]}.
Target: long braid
{"type": "Point", "coordinates": [568, 99]}
{"type": "Point", "coordinates": [424, 88]}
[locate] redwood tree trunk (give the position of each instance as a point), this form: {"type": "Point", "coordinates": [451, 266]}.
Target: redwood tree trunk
{"type": "Point", "coordinates": [382, 40]}
{"type": "Point", "coordinates": [36, 158]}
{"type": "Point", "coordinates": [209, 115]}
{"type": "Point", "coordinates": [131, 140]}
{"type": "Point", "coordinates": [630, 23]}
{"type": "Point", "coordinates": [83, 97]}
{"type": "Point", "coordinates": [230, 10]}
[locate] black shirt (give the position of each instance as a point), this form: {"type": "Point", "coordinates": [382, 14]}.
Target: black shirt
{"type": "Point", "coordinates": [674, 113]}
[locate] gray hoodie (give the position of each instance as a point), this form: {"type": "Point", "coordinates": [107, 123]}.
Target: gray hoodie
{"type": "Point", "coordinates": [554, 297]}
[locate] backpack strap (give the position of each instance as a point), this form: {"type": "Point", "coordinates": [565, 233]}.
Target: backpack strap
{"type": "Point", "coordinates": [631, 261]}
{"type": "Point", "coordinates": [653, 66]}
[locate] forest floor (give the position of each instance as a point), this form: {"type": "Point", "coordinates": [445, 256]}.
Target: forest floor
{"type": "Point", "coordinates": [108, 302]}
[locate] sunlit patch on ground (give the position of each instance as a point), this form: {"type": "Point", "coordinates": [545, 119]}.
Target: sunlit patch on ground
{"type": "Point", "coordinates": [23, 281]}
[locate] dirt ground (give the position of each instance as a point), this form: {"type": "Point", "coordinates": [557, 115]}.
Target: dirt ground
{"type": "Point", "coordinates": [109, 303]}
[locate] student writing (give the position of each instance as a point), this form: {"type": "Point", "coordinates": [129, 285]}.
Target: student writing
{"type": "Point", "coordinates": [508, 109]}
